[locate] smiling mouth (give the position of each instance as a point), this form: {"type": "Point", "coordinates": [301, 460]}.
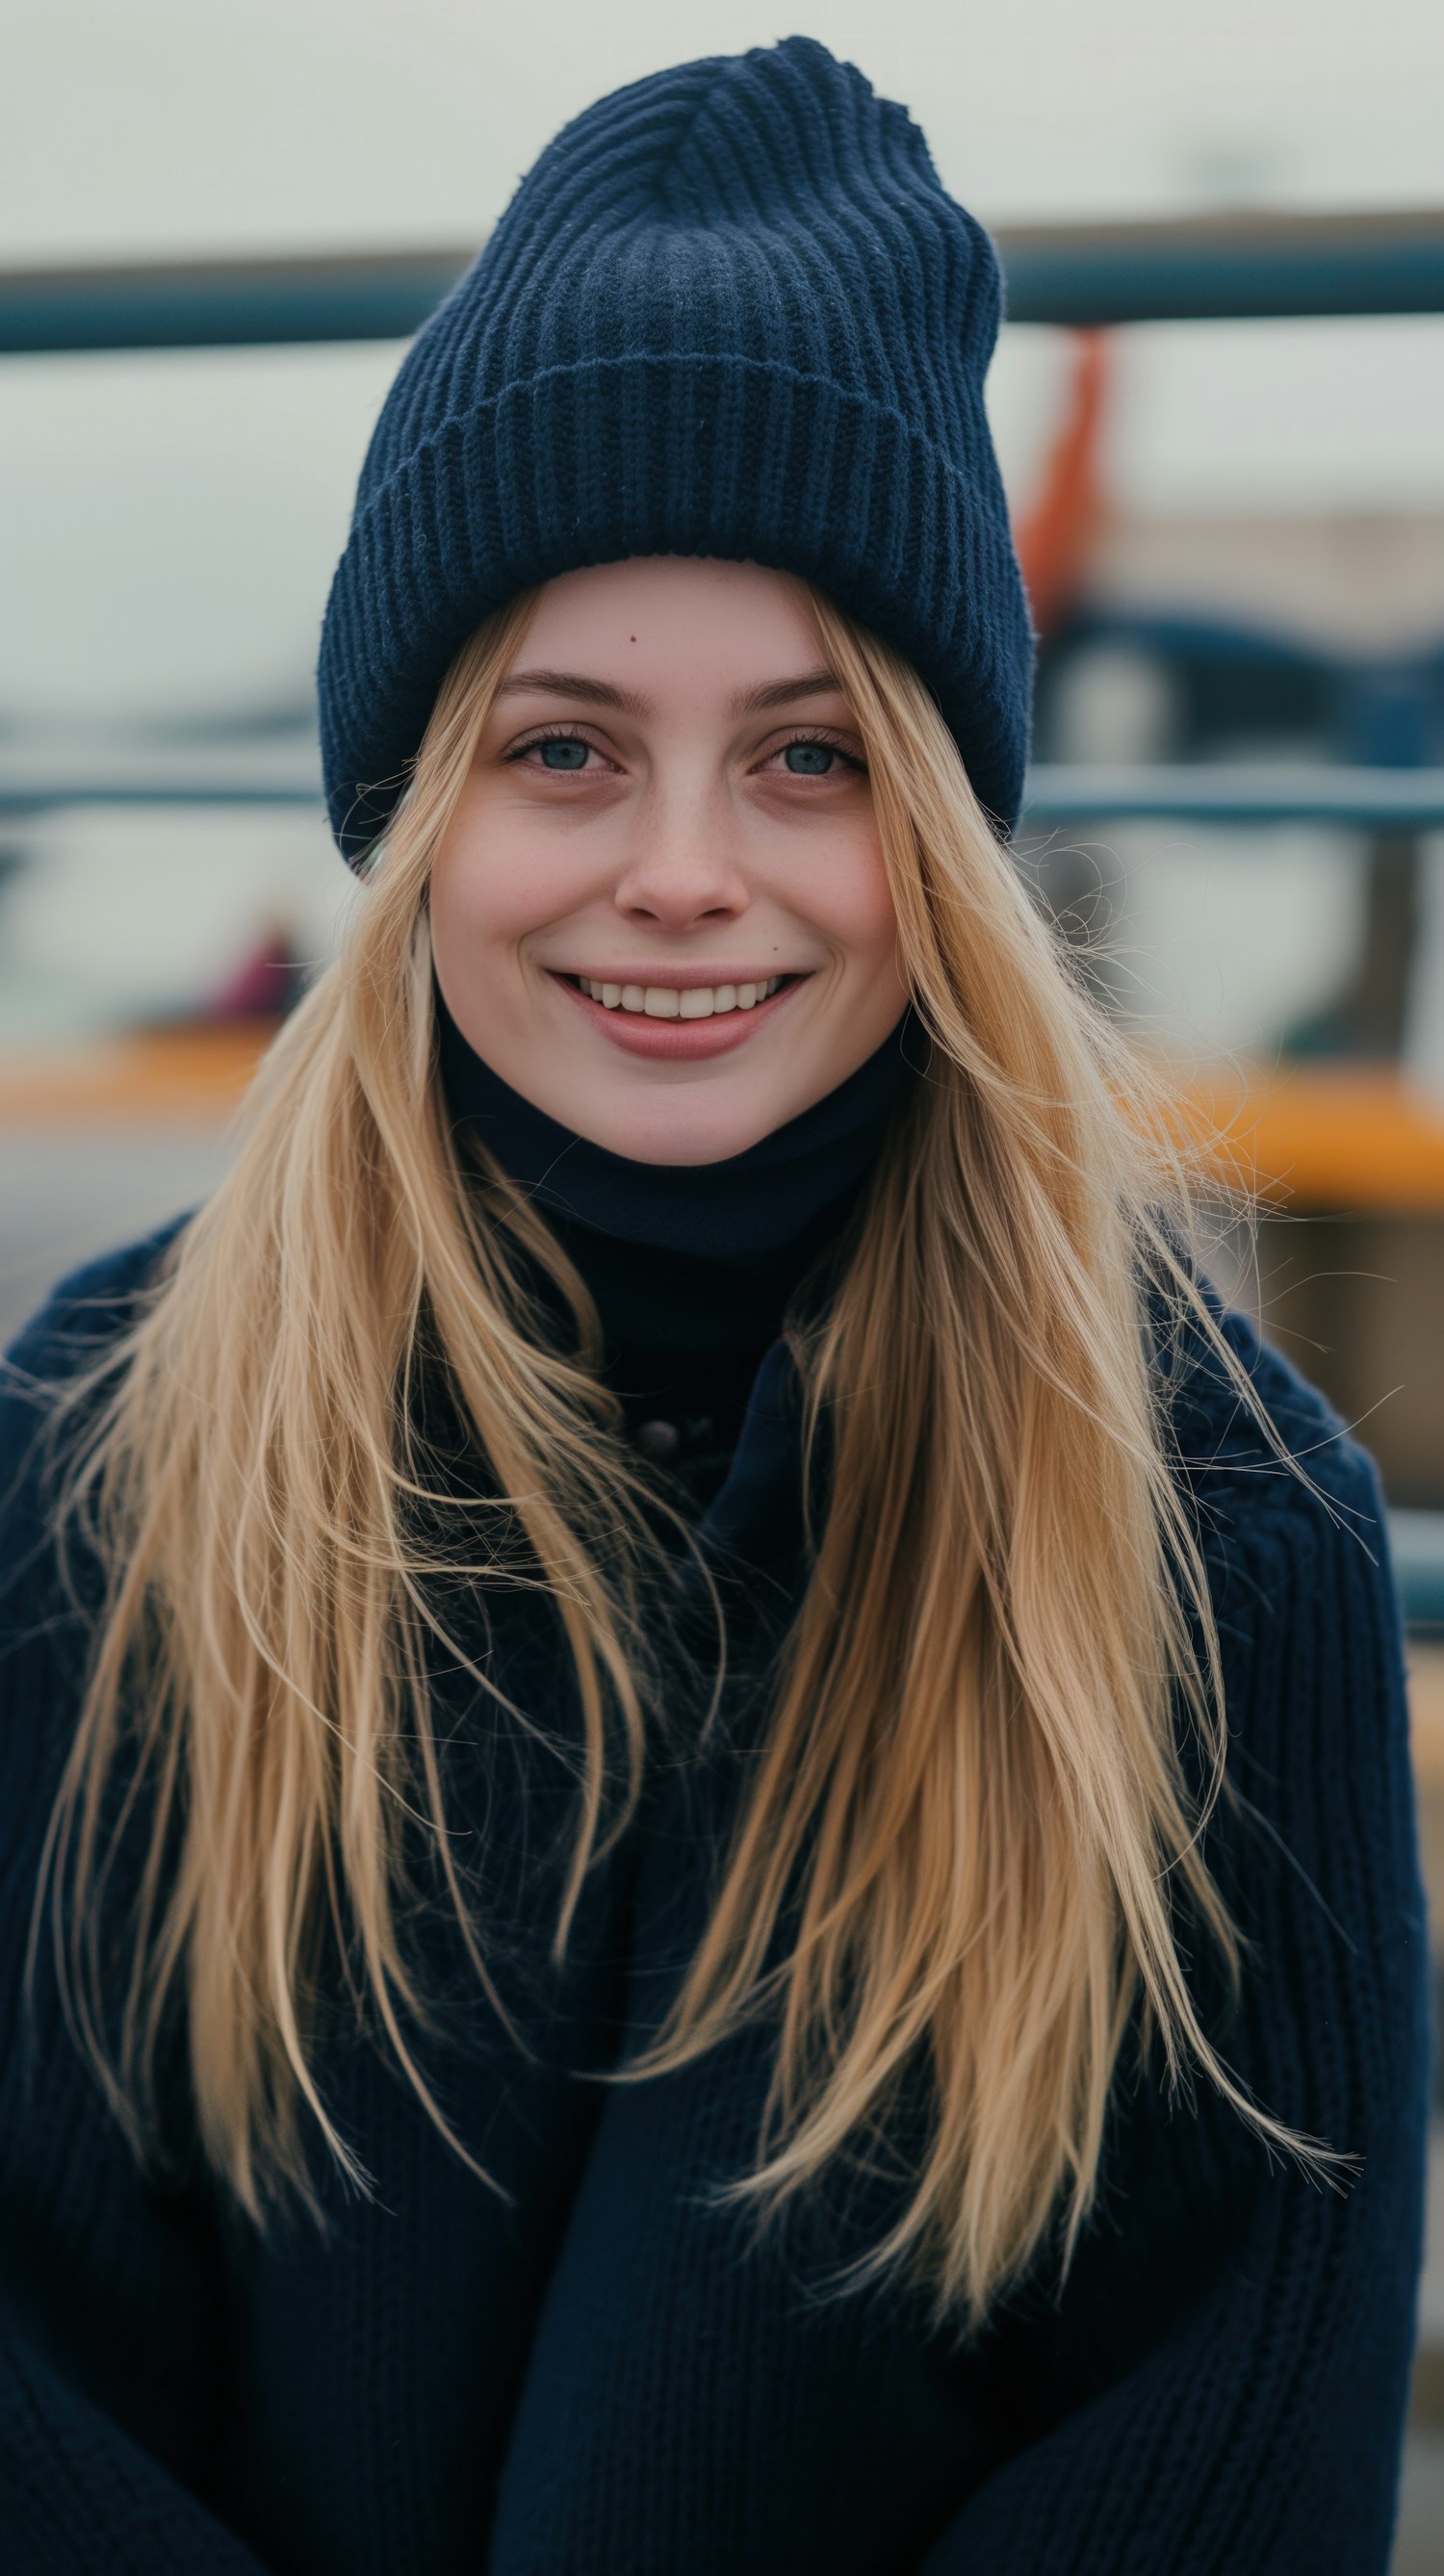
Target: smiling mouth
{"type": "Point", "coordinates": [679, 1002]}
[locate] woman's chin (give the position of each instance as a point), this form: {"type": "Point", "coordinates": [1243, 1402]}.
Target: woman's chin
{"type": "Point", "coordinates": [674, 1137]}
{"type": "Point", "coordinates": [673, 1114]}
{"type": "Point", "coordinates": [686, 1113]}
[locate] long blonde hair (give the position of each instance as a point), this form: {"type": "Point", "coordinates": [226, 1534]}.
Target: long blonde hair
{"type": "Point", "coordinates": [970, 1797]}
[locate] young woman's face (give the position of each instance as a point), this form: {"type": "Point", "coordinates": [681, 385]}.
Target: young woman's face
{"type": "Point", "coordinates": [660, 911]}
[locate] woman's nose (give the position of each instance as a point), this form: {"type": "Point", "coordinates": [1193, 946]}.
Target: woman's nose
{"type": "Point", "coordinates": [684, 868]}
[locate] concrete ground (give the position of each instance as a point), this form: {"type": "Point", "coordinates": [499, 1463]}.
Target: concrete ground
{"type": "Point", "coordinates": [1419, 2547]}
{"type": "Point", "coordinates": [65, 1197]}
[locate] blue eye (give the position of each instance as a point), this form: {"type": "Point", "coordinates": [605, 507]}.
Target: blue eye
{"type": "Point", "coordinates": [809, 759]}
{"type": "Point", "coordinates": [562, 753]}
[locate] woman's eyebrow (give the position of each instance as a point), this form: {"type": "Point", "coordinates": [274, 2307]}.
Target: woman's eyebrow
{"type": "Point", "coordinates": [781, 693]}
{"type": "Point", "coordinates": [573, 684]}
{"type": "Point", "coordinates": [603, 693]}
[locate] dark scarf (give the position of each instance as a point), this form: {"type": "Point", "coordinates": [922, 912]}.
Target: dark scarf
{"type": "Point", "coordinates": [691, 1264]}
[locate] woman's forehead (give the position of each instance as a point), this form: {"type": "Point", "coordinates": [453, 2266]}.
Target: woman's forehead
{"type": "Point", "coordinates": [651, 628]}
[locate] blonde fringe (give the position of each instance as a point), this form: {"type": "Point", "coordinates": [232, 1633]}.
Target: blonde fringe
{"type": "Point", "coordinates": [970, 1795]}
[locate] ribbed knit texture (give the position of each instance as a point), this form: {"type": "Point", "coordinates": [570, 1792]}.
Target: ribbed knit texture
{"type": "Point", "coordinates": [603, 2376]}
{"type": "Point", "coordinates": [730, 312]}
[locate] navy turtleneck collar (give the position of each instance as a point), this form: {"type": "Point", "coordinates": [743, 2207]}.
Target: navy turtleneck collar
{"type": "Point", "coordinates": [689, 1263]}
{"type": "Point", "coordinates": [760, 1198]}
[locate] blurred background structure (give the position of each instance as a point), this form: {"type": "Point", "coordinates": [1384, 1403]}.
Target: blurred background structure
{"type": "Point", "coordinates": [1217, 400]}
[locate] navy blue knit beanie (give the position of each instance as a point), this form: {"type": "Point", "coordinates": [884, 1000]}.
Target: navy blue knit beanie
{"type": "Point", "coordinates": [729, 312]}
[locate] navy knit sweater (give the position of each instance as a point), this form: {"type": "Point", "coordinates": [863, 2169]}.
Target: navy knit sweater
{"type": "Point", "coordinates": [601, 2375]}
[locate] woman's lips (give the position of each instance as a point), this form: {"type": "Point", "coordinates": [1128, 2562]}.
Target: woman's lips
{"type": "Point", "coordinates": [637, 1034]}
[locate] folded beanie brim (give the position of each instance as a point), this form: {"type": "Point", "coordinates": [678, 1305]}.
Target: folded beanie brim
{"type": "Point", "coordinates": [682, 453]}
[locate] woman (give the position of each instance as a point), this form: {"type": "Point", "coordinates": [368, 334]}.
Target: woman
{"type": "Point", "coordinates": [710, 1854]}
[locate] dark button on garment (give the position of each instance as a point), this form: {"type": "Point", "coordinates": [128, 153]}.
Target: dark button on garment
{"type": "Point", "coordinates": [659, 1440]}
{"type": "Point", "coordinates": [694, 1454]}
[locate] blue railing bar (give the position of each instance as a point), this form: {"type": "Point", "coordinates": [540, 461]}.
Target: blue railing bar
{"type": "Point", "coordinates": [218, 304]}
{"type": "Point", "coordinates": [1175, 268]}
{"type": "Point", "coordinates": [1208, 792]}
{"type": "Point", "coordinates": [43, 796]}
{"type": "Point", "coordinates": [1220, 792]}
{"type": "Point", "coordinates": [1218, 268]}
{"type": "Point", "coordinates": [1417, 1542]}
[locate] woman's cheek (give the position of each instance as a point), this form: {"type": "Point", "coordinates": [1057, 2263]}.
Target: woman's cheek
{"type": "Point", "coordinates": [519, 883]}
{"type": "Point", "coordinates": [847, 897]}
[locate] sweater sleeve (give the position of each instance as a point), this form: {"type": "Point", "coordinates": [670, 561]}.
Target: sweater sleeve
{"type": "Point", "coordinates": [1264, 2429]}
{"type": "Point", "coordinates": [112, 2377]}
{"type": "Point", "coordinates": [79, 2496]}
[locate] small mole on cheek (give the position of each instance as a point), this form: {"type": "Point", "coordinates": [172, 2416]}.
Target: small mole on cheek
{"type": "Point", "coordinates": [634, 639]}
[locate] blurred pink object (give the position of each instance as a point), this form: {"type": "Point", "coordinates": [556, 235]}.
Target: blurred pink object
{"type": "Point", "coordinates": [263, 986]}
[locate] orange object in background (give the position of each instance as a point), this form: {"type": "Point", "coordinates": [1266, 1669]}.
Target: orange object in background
{"type": "Point", "coordinates": [1327, 1135]}
{"type": "Point", "coordinates": [187, 1076]}
{"type": "Point", "coordinates": [1056, 537]}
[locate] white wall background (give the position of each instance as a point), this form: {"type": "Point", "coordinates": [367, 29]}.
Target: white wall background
{"type": "Point", "coordinates": [156, 124]}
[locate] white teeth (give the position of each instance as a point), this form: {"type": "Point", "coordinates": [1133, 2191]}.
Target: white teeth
{"type": "Point", "coordinates": [672, 1002]}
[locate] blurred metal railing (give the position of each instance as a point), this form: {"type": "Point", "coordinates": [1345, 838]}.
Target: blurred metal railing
{"type": "Point", "coordinates": [1237, 792]}
{"type": "Point", "coordinates": [1206, 792]}
{"type": "Point", "coordinates": [1189, 268]}
{"type": "Point", "coordinates": [1417, 1541]}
